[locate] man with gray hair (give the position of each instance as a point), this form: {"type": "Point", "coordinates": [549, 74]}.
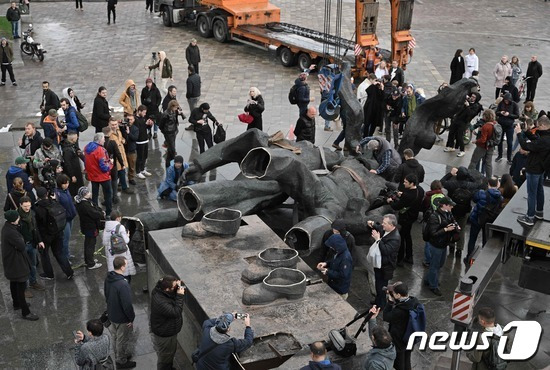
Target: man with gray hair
{"type": "Point", "coordinates": [388, 239]}
{"type": "Point", "coordinates": [98, 168]}
{"type": "Point", "coordinates": [387, 157]}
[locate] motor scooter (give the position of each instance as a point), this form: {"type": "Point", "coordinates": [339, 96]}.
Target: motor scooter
{"type": "Point", "coordinates": [31, 47]}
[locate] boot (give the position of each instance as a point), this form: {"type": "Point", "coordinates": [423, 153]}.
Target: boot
{"type": "Point", "coordinates": [279, 283]}
{"type": "Point", "coordinates": [267, 260]}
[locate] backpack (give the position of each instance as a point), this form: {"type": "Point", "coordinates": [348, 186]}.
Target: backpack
{"type": "Point", "coordinates": [434, 202]}
{"type": "Point", "coordinates": [417, 322]}
{"type": "Point", "coordinates": [463, 199]}
{"type": "Point", "coordinates": [82, 121]}
{"type": "Point", "coordinates": [491, 358]}
{"type": "Point", "coordinates": [489, 212]}
{"type": "Point", "coordinates": [57, 217]}
{"type": "Point", "coordinates": [425, 229]}
{"type": "Point", "coordinates": [496, 136]}
{"type": "Point", "coordinates": [293, 95]}
{"type": "Point", "coordinates": [118, 245]}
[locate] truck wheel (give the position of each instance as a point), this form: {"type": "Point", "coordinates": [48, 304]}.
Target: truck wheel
{"type": "Point", "coordinates": [219, 29]}
{"type": "Point", "coordinates": [166, 16]}
{"type": "Point", "coordinates": [203, 27]}
{"type": "Point", "coordinates": [287, 57]}
{"type": "Point", "coordinates": [304, 61]}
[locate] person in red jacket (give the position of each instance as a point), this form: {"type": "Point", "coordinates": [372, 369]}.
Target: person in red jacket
{"type": "Point", "coordinates": [98, 167]}
{"type": "Point", "coordinates": [483, 151]}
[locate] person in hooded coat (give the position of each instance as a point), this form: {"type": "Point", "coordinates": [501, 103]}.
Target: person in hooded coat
{"type": "Point", "coordinates": [165, 69]}
{"type": "Point", "coordinates": [409, 165]}
{"type": "Point", "coordinates": [457, 67]}
{"type": "Point", "coordinates": [129, 99]}
{"type": "Point", "coordinates": [338, 269]}
{"type": "Point", "coordinates": [73, 99]}
{"type": "Point", "coordinates": [151, 98]}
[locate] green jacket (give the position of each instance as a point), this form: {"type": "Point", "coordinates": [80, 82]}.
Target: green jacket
{"type": "Point", "coordinates": [166, 68]}
{"type": "Point", "coordinates": [6, 50]}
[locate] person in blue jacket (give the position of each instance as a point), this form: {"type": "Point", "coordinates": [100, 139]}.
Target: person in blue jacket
{"type": "Point", "coordinates": [339, 268]}
{"type": "Point", "coordinates": [217, 345]}
{"type": "Point", "coordinates": [168, 188]}
{"type": "Point", "coordinates": [18, 170]}
{"type": "Point", "coordinates": [71, 120]}
{"type": "Point", "coordinates": [65, 198]}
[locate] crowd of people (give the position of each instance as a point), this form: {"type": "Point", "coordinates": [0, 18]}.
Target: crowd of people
{"type": "Point", "coordinates": [47, 191]}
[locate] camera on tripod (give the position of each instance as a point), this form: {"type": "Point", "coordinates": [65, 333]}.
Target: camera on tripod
{"type": "Point", "coordinates": [154, 55]}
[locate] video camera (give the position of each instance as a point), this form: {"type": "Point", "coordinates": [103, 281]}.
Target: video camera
{"type": "Point", "coordinates": [49, 173]}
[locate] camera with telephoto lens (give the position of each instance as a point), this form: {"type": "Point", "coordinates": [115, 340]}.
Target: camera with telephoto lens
{"type": "Point", "coordinates": [49, 172]}
{"type": "Point", "coordinates": [240, 316]}
{"type": "Point", "coordinates": [390, 289]}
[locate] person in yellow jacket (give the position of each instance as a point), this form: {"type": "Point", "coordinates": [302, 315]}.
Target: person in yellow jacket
{"type": "Point", "coordinates": [129, 99]}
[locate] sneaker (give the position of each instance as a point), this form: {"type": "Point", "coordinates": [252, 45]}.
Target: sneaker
{"type": "Point", "coordinates": [337, 147]}
{"type": "Point", "coordinates": [146, 173]}
{"type": "Point", "coordinates": [30, 317]}
{"type": "Point", "coordinates": [126, 365]}
{"type": "Point", "coordinates": [132, 182]}
{"type": "Point", "coordinates": [509, 162]}
{"type": "Point", "coordinates": [526, 220]}
{"type": "Point", "coordinates": [14, 83]}
{"type": "Point", "coordinates": [499, 158]}
{"type": "Point", "coordinates": [155, 136]}
{"type": "Point", "coordinates": [189, 128]}
{"type": "Point", "coordinates": [539, 215]}
{"type": "Point", "coordinates": [2, 84]}
{"type": "Point", "coordinates": [436, 291]}
{"type": "Point", "coordinates": [461, 154]}
{"type": "Point", "coordinates": [28, 294]}
{"type": "Point", "coordinates": [140, 175]}
{"type": "Point", "coordinates": [128, 191]}
{"type": "Point", "coordinates": [447, 149]}
{"type": "Point", "coordinates": [45, 277]}
{"type": "Point", "coordinates": [37, 286]}
{"type": "Point", "coordinates": [96, 266]}
{"type": "Point", "coordinates": [328, 129]}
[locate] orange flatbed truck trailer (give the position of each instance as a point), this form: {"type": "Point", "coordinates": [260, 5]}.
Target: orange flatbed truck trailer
{"type": "Point", "coordinates": [257, 23]}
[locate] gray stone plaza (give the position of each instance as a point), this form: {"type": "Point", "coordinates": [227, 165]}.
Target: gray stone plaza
{"type": "Point", "coordinates": [85, 53]}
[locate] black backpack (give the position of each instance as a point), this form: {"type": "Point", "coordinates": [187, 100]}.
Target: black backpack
{"type": "Point", "coordinates": [491, 358]}
{"type": "Point", "coordinates": [293, 95]}
{"type": "Point", "coordinates": [57, 217]}
{"type": "Point", "coordinates": [82, 121]}
{"type": "Point", "coordinates": [490, 212]}
{"type": "Point", "coordinates": [463, 199]}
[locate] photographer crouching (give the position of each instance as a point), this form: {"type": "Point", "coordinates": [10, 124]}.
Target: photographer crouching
{"type": "Point", "coordinates": [166, 319]}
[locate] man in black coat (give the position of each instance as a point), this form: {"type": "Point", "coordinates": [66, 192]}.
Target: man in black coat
{"type": "Point", "coordinates": [396, 73]}
{"type": "Point", "coordinates": [396, 313]}
{"type": "Point", "coordinates": [50, 100]}
{"type": "Point", "coordinates": [193, 93]}
{"type": "Point", "coordinates": [151, 98]}
{"type": "Point", "coordinates": [507, 113]}
{"type": "Point", "coordinates": [305, 126]}
{"type": "Point", "coordinates": [534, 70]}
{"type": "Point", "coordinates": [71, 162]}
{"type": "Point", "coordinates": [394, 104]}
{"type": "Point", "coordinates": [199, 119]}
{"type": "Point", "coordinates": [16, 263]}
{"type": "Point", "coordinates": [52, 239]}
{"type": "Point", "coordinates": [166, 319]}
{"type": "Point", "coordinates": [408, 205]}
{"type": "Point", "coordinates": [118, 295]}
{"type": "Point", "coordinates": [410, 165]}
{"type": "Point", "coordinates": [373, 108]}
{"type": "Point", "coordinates": [111, 7]}
{"type": "Point", "coordinates": [389, 241]}
{"type": "Point", "coordinates": [193, 55]}
{"type": "Point", "coordinates": [90, 216]}
{"type": "Point", "coordinates": [31, 140]}
{"type": "Point", "coordinates": [142, 145]}
{"type": "Point", "coordinates": [101, 112]}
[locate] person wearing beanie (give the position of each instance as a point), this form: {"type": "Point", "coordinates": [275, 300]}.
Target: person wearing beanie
{"type": "Point", "coordinates": [199, 118]}
{"type": "Point", "coordinates": [338, 269]}
{"type": "Point", "coordinates": [169, 187]}
{"type": "Point", "coordinates": [216, 345]}
{"type": "Point", "coordinates": [16, 264]}
{"type": "Point", "coordinates": [6, 57]}
{"type": "Point", "coordinates": [338, 226]}
{"type": "Point", "coordinates": [90, 216]}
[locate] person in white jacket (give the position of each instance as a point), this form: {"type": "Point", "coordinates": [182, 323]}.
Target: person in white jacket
{"type": "Point", "coordinates": [472, 63]}
{"type": "Point", "coordinates": [110, 227]}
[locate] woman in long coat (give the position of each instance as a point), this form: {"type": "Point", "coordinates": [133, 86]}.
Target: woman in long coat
{"type": "Point", "coordinates": [255, 107]}
{"type": "Point", "coordinates": [457, 67]}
